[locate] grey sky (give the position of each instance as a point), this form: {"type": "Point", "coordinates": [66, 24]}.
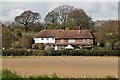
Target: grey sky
{"type": "Point", "coordinates": [97, 10]}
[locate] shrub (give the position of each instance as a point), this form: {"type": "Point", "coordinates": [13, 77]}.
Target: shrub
{"type": "Point", "coordinates": [34, 46]}
{"type": "Point", "coordinates": [38, 52]}
{"type": "Point", "coordinates": [38, 46]}
{"type": "Point", "coordinates": [7, 37]}
{"type": "Point", "coordinates": [26, 42]}
{"type": "Point", "coordinates": [51, 52]}
{"type": "Point", "coordinates": [18, 33]}
{"type": "Point", "coordinates": [16, 45]}
{"type": "Point", "coordinates": [41, 46]}
{"type": "Point", "coordinates": [9, 74]}
{"type": "Point", "coordinates": [16, 52]}
{"type": "Point", "coordinates": [82, 53]}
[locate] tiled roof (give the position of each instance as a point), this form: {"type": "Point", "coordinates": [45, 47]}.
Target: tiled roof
{"type": "Point", "coordinates": [64, 34]}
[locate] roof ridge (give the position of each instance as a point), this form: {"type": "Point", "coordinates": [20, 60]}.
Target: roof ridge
{"type": "Point", "coordinates": [65, 30]}
{"type": "Point", "coordinates": [65, 33]}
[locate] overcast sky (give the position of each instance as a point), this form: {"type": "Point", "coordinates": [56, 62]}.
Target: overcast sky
{"type": "Point", "coordinates": [97, 10]}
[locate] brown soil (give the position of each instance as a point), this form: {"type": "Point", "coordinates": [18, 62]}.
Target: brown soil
{"type": "Point", "coordinates": [63, 66]}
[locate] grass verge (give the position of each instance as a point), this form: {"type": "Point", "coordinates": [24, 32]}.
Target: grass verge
{"type": "Point", "coordinates": [10, 75]}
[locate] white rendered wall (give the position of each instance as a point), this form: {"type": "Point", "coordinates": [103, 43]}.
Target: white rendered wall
{"type": "Point", "coordinates": [44, 40]}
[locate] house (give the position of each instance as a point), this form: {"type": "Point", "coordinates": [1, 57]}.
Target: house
{"type": "Point", "coordinates": [65, 38]}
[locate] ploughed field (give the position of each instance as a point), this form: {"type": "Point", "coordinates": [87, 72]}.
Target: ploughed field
{"type": "Point", "coordinates": [68, 66]}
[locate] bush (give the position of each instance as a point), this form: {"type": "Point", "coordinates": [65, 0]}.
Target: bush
{"type": "Point", "coordinates": [16, 45]}
{"type": "Point", "coordinates": [18, 33]}
{"type": "Point", "coordinates": [16, 52]}
{"type": "Point", "coordinates": [38, 46]}
{"type": "Point", "coordinates": [9, 74]}
{"type": "Point", "coordinates": [51, 52]}
{"type": "Point", "coordinates": [82, 53]}
{"type": "Point", "coordinates": [26, 42]}
{"type": "Point", "coordinates": [38, 52]}
{"type": "Point", "coordinates": [41, 46]}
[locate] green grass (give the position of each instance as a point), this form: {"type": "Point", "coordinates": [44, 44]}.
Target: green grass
{"type": "Point", "coordinates": [10, 75]}
{"type": "Point", "coordinates": [31, 33]}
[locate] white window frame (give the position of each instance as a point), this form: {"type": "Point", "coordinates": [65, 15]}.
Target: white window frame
{"type": "Point", "coordinates": [84, 40]}
{"type": "Point", "coordinates": [52, 38]}
{"type": "Point", "coordinates": [88, 40]}
{"type": "Point", "coordinates": [62, 40]}
{"type": "Point", "coordinates": [71, 40]}
{"type": "Point", "coordinates": [47, 38]}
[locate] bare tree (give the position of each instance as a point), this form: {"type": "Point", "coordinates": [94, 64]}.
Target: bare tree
{"type": "Point", "coordinates": [51, 17]}
{"type": "Point", "coordinates": [27, 17]}
{"type": "Point", "coordinates": [66, 15]}
{"type": "Point", "coordinates": [59, 14]}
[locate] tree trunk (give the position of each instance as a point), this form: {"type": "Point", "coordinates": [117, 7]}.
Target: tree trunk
{"type": "Point", "coordinates": [26, 28]}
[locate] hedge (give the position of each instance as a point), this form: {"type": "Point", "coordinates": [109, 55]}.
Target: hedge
{"type": "Point", "coordinates": [17, 52]}
{"type": "Point", "coordinates": [83, 53]}
{"type": "Point", "coordinates": [38, 52]}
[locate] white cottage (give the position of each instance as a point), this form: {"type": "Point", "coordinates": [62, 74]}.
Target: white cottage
{"type": "Point", "coordinates": [62, 38]}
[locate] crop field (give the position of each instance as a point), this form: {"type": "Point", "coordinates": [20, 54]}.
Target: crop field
{"type": "Point", "coordinates": [63, 66]}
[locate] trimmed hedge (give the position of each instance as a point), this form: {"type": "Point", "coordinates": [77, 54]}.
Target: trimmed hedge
{"type": "Point", "coordinates": [38, 52]}
{"type": "Point", "coordinates": [83, 53]}
{"type": "Point", "coordinates": [16, 52]}
{"type": "Point", "coordinates": [19, 52]}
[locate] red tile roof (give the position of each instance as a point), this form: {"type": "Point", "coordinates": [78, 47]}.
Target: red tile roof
{"type": "Point", "coordinates": [64, 34]}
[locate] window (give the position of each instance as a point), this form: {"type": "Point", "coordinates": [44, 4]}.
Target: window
{"type": "Point", "coordinates": [83, 40]}
{"type": "Point", "coordinates": [62, 40]}
{"type": "Point", "coordinates": [71, 40]}
{"type": "Point", "coordinates": [88, 40]}
{"type": "Point", "coordinates": [52, 38]}
{"type": "Point", "coordinates": [42, 38]}
{"type": "Point", "coordinates": [47, 38]}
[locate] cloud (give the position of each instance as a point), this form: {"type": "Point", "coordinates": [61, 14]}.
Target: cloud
{"type": "Point", "coordinates": [108, 10]}
{"type": "Point", "coordinates": [42, 7]}
{"type": "Point", "coordinates": [11, 14]}
{"type": "Point", "coordinates": [0, 11]}
{"type": "Point", "coordinates": [60, 0]}
{"type": "Point", "coordinates": [97, 10]}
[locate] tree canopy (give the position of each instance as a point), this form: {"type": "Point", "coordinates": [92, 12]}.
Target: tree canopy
{"type": "Point", "coordinates": [7, 37]}
{"type": "Point", "coordinates": [80, 18]}
{"type": "Point", "coordinates": [27, 17]}
{"type": "Point", "coordinates": [65, 15]}
{"type": "Point", "coordinates": [59, 14]}
{"type": "Point", "coordinates": [107, 33]}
